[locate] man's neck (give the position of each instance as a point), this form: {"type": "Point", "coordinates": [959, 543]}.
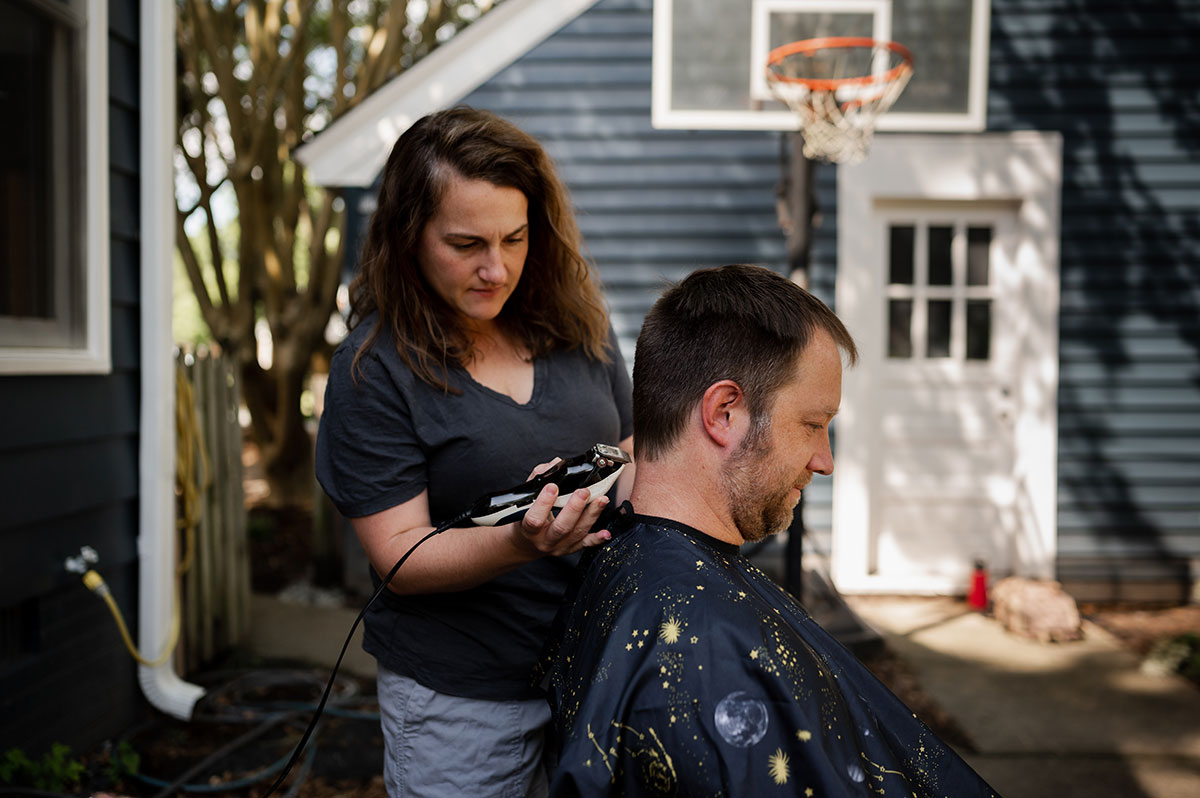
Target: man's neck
{"type": "Point", "coordinates": [685, 492]}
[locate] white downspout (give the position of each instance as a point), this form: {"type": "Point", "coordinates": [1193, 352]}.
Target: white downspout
{"type": "Point", "coordinates": [161, 685]}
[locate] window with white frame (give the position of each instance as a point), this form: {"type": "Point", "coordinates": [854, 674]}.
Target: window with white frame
{"type": "Point", "coordinates": [53, 187]}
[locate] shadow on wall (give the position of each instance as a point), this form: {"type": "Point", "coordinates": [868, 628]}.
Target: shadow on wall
{"type": "Point", "coordinates": [1119, 83]}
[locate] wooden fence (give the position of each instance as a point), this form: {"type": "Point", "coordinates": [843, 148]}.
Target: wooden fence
{"type": "Point", "coordinates": [214, 558]}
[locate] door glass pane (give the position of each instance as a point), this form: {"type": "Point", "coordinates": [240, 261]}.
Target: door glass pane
{"type": "Point", "coordinates": [939, 328]}
{"type": "Point", "coordinates": [979, 329]}
{"type": "Point", "coordinates": [900, 255]}
{"type": "Point", "coordinates": [939, 255]}
{"type": "Point", "coordinates": [979, 244]}
{"type": "Point", "coordinates": [900, 328]}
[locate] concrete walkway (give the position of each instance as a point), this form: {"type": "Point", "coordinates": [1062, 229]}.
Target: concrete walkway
{"type": "Point", "coordinates": [307, 632]}
{"type": "Point", "coordinates": [1053, 720]}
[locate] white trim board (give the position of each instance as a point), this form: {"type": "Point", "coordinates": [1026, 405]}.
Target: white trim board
{"type": "Point", "coordinates": [353, 150]}
{"type": "Point", "coordinates": [1022, 170]}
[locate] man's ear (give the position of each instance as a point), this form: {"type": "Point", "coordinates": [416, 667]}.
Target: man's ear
{"type": "Point", "coordinates": [724, 414]}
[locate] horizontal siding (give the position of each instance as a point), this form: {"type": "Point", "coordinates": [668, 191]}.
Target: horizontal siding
{"type": "Point", "coordinates": [61, 480]}
{"type": "Point", "coordinates": [69, 477]}
{"type": "Point", "coordinates": [41, 547]}
{"type": "Point", "coordinates": [112, 411]}
{"type": "Point", "coordinates": [1119, 81]}
{"type": "Point", "coordinates": [1116, 79]}
{"type": "Point", "coordinates": [653, 205]}
{"type": "Point", "coordinates": [77, 686]}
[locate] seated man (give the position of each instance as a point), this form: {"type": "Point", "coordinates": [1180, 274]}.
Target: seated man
{"type": "Point", "coordinates": [683, 669]}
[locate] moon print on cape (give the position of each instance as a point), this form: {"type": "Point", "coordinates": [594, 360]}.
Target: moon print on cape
{"type": "Point", "coordinates": [740, 719]}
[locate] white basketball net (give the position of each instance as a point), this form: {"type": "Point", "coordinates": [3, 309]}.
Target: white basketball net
{"type": "Point", "coordinates": [837, 123]}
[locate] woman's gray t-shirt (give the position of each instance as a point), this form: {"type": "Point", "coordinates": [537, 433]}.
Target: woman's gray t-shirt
{"type": "Point", "coordinates": [390, 436]}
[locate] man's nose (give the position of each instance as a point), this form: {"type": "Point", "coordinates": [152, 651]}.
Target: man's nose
{"type": "Point", "coordinates": [822, 459]}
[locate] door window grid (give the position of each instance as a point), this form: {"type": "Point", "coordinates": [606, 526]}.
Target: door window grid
{"type": "Point", "coordinates": [939, 296]}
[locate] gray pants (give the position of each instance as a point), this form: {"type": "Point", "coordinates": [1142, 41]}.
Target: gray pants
{"type": "Point", "coordinates": [438, 746]}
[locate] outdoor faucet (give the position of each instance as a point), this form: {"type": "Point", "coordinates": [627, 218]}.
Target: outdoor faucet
{"type": "Point", "coordinates": [81, 562]}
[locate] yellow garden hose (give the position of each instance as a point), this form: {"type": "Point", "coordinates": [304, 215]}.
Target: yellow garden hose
{"type": "Point", "coordinates": [188, 444]}
{"type": "Point", "coordinates": [96, 584]}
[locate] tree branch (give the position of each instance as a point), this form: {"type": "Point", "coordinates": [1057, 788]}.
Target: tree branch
{"type": "Point", "coordinates": [213, 317]}
{"type": "Point", "coordinates": [380, 68]}
{"type": "Point", "coordinates": [324, 271]}
{"type": "Point", "coordinates": [339, 30]}
{"type": "Point", "coordinates": [218, 46]}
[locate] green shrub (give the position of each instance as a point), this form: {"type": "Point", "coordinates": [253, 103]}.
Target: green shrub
{"type": "Point", "coordinates": [56, 771]}
{"type": "Point", "coordinates": [122, 761]}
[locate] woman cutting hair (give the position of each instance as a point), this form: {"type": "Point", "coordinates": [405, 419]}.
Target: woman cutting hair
{"type": "Point", "coordinates": [479, 348]}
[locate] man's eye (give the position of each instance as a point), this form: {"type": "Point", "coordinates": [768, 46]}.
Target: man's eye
{"type": "Point", "coordinates": [517, 240]}
{"type": "Point", "coordinates": [463, 245]}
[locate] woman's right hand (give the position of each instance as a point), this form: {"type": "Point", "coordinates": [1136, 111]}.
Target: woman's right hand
{"type": "Point", "coordinates": [543, 532]}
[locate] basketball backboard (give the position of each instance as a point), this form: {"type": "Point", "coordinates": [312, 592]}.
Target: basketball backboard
{"type": "Point", "coordinates": [710, 59]}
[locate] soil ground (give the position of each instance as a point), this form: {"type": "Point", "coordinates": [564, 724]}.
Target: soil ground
{"type": "Point", "coordinates": [1139, 627]}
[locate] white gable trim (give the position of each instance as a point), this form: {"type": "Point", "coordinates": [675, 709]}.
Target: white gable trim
{"type": "Point", "coordinates": [353, 150]}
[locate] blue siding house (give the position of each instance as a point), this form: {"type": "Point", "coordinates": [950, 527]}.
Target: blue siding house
{"type": "Point", "coordinates": [1064, 442]}
{"type": "Point", "coordinates": [86, 367]}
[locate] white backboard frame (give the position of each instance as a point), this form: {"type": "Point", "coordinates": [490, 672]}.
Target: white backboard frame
{"type": "Point", "coordinates": [664, 116]}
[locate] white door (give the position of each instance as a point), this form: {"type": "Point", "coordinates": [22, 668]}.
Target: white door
{"type": "Point", "coordinates": [946, 443]}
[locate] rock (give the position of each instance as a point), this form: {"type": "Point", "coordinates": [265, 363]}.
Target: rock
{"type": "Point", "coordinates": [1037, 609]}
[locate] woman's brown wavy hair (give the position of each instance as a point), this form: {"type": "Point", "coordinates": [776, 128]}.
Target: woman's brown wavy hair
{"type": "Point", "coordinates": [557, 303]}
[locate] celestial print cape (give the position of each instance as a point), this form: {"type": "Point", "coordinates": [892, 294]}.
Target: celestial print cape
{"type": "Point", "coordinates": [683, 670]}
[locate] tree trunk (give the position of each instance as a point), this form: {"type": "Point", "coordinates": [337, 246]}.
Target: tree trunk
{"type": "Point", "coordinates": [277, 426]}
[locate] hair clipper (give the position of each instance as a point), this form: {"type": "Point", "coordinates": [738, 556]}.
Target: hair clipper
{"type": "Point", "coordinates": [596, 470]}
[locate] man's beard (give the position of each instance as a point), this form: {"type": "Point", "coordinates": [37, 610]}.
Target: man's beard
{"type": "Point", "coordinates": [758, 491]}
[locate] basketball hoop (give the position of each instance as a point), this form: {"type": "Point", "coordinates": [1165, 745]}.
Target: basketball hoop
{"type": "Point", "coordinates": [838, 87]}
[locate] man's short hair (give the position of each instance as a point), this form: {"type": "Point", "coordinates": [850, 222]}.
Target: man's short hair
{"type": "Point", "coordinates": [738, 322]}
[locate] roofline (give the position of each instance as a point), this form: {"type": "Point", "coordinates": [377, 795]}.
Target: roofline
{"type": "Point", "coordinates": [353, 150]}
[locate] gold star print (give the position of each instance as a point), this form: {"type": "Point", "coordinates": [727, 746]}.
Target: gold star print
{"type": "Point", "coordinates": [699, 587]}
{"type": "Point", "coordinates": [662, 669]}
{"type": "Point", "coordinates": [645, 633]}
{"type": "Point", "coordinates": [640, 644]}
{"type": "Point", "coordinates": [741, 594]}
{"type": "Point", "coordinates": [629, 646]}
{"type": "Point", "coordinates": [699, 563]}
{"type": "Point", "coordinates": [695, 640]}
{"type": "Point", "coordinates": [666, 684]}
{"type": "Point", "coordinates": [808, 792]}
{"type": "Point", "coordinates": [777, 764]}
{"type": "Point", "coordinates": [803, 736]}
{"type": "Point", "coordinates": [754, 654]}
{"type": "Point", "coordinates": [669, 631]}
